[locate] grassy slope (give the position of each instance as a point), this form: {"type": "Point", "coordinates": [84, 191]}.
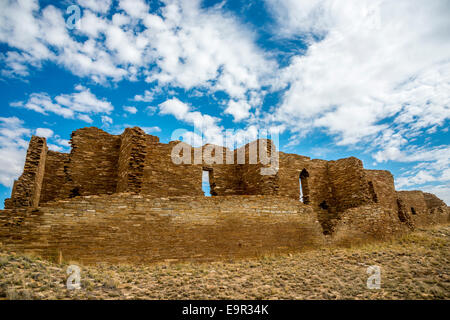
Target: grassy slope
{"type": "Point", "coordinates": [413, 267]}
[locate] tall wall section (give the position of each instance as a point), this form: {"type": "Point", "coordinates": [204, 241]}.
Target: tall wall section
{"type": "Point", "coordinates": [55, 177]}
{"type": "Point", "coordinates": [27, 189]}
{"type": "Point", "coordinates": [315, 185]}
{"type": "Point", "coordinates": [381, 188]}
{"type": "Point", "coordinates": [224, 176]}
{"type": "Point", "coordinates": [92, 168]}
{"type": "Point", "coordinates": [255, 158]}
{"type": "Point", "coordinates": [131, 164]}
{"type": "Point", "coordinates": [349, 184]}
{"type": "Point", "coordinates": [162, 177]}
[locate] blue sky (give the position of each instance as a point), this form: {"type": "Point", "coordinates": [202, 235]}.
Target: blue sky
{"type": "Point", "coordinates": [360, 78]}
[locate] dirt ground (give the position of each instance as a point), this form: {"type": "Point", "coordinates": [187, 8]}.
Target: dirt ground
{"type": "Point", "coordinates": [415, 266]}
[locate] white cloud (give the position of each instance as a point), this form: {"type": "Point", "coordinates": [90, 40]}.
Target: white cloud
{"type": "Point", "coordinates": [135, 8]}
{"type": "Point", "coordinates": [377, 59]}
{"type": "Point", "coordinates": [13, 147]}
{"type": "Point", "coordinates": [130, 109]}
{"type": "Point", "coordinates": [101, 6]}
{"type": "Point", "coordinates": [119, 129]}
{"type": "Point", "coordinates": [63, 142]}
{"type": "Point", "coordinates": [55, 147]}
{"type": "Point", "coordinates": [181, 45]}
{"type": "Point", "coordinates": [44, 132]}
{"type": "Point", "coordinates": [150, 130]}
{"type": "Point", "coordinates": [301, 17]}
{"type": "Point", "coordinates": [42, 103]}
{"type": "Point", "coordinates": [84, 101]}
{"type": "Point", "coordinates": [207, 129]}
{"type": "Point", "coordinates": [15, 64]}
{"type": "Point", "coordinates": [431, 170]}
{"type": "Point", "coordinates": [205, 123]}
{"type": "Point", "coordinates": [148, 95]}
{"type": "Point", "coordinates": [106, 120]}
{"type": "Point", "coordinates": [79, 104]}
{"type": "Point", "coordinates": [85, 118]}
{"type": "Point", "coordinates": [174, 107]}
{"type": "Point", "coordinates": [151, 110]}
{"type": "Point", "coordinates": [238, 109]}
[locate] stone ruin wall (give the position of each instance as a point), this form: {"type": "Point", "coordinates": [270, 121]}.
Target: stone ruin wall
{"type": "Point", "coordinates": [126, 228]}
{"type": "Point", "coordinates": [381, 188]}
{"type": "Point", "coordinates": [59, 191]}
{"type": "Point", "coordinates": [27, 189]}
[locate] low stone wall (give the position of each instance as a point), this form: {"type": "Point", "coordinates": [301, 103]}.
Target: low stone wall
{"type": "Point", "coordinates": [125, 228]}
{"type": "Point", "coordinates": [421, 208]}
{"type": "Point", "coordinates": [368, 223]}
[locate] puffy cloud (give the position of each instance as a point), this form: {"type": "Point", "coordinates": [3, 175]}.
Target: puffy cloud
{"type": "Point", "coordinates": [101, 6]}
{"type": "Point", "coordinates": [182, 44]}
{"type": "Point", "coordinates": [431, 169]}
{"type": "Point", "coordinates": [130, 109]}
{"type": "Point", "coordinates": [84, 101]}
{"type": "Point", "coordinates": [44, 132]}
{"type": "Point", "coordinates": [13, 147]}
{"type": "Point", "coordinates": [119, 129]}
{"type": "Point", "coordinates": [79, 104]}
{"type": "Point", "coordinates": [135, 8]}
{"type": "Point", "coordinates": [375, 60]}
{"type": "Point", "coordinates": [106, 120]}
{"type": "Point", "coordinates": [301, 17]}
{"type": "Point", "coordinates": [207, 129]}
{"type": "Point", "coordinates": [151, 110]}
{"type": "Point", "coordinates": [375, 73]}
{"type": "Point", "coordinates": [42, 103]}
{"type": "Point", "coordinates": [148, 95]}
{"type": "Point", "coordinates": [55, 147]}
{"type": "Point", "coordinates": [238, 109]}
{"type": "Point", "coordinates": [174, 107]}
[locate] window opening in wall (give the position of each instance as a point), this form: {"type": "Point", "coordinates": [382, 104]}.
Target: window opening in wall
{"type": "Point", "coordinates": [304, 187]}
{"type": "Point", "coordinates": [372, 192]}
{"type": "Point", "coordinates": [75, 192]}
{"type": "Point", "coordinates": [206, 185]}
{"type": "Point", "coordinates": [324, 205]}
{"type": "Point", "coordinates": [413, 211]}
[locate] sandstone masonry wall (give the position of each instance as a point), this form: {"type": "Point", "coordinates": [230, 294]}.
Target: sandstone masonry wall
{"type": "Point", "coordinates": [55, 175]}
{"type": "Point", "coordinates": [381, 188]}
{"type": "Point", "coordinates": [422, 209]}
{"type": "Point", "coordinates": [164, 178]}
{"type": "Point", "coordinates": [349, 183]}
{"type": "Point", "coordinates": [93, 165]}
{"type": "Point", "coordinates": [27, 189]}
{"type": "Point", "coordinates": [253, 181]}
{"type": "Point", "coordinates": [132, 155]}
{"type": "Point", "coordinates": [368, 223]}
{"type": "Point", "coordinates": [130, 228]}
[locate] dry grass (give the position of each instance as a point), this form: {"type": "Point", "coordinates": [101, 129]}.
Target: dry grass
{"type": "Point", "coordinates": [415, 266]}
